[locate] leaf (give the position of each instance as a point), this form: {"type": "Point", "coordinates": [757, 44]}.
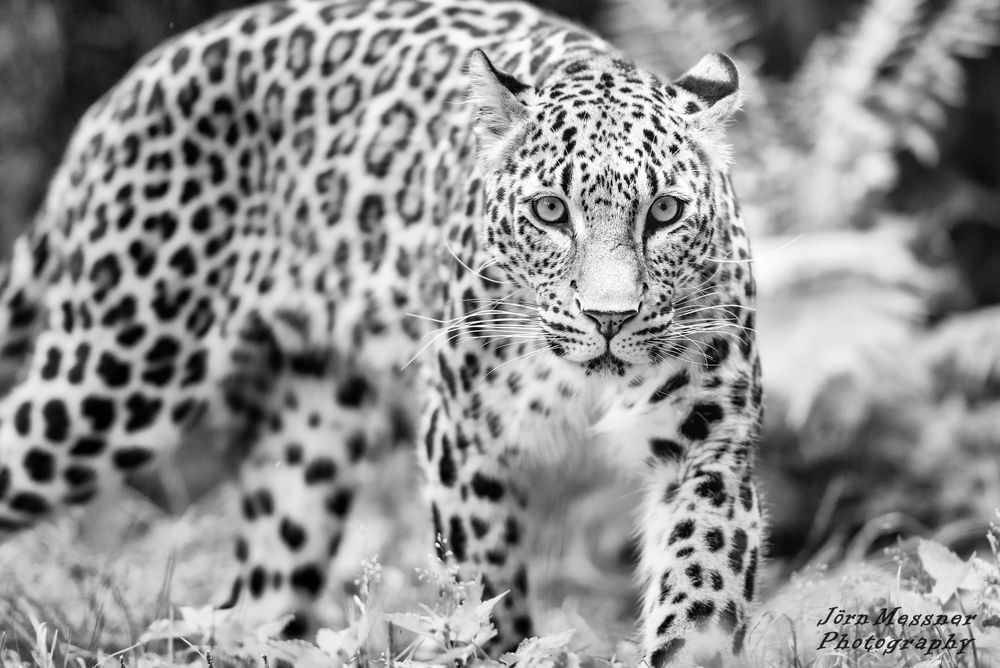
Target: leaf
{"type": "Point", "coordinates": [421, 625]}
{"type": "Point", "coordinates": [223, 629]}
{"type": "Point", "coordinates": [947, 569]}
{"type": "Point", "coordinates": [546, 652]}
{"type": "Point", "coordinates": [298, 653]}
{"type": "Point", "coordinates": [342, 645]}
{"type": "Point", "coordinates": [471, 620]}
{"type": "Point", "coordinates": [964, 352]}
{"type": "Point", "coordinates": [988, 638]}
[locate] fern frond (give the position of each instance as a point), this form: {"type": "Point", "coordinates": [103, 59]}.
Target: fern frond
{"type": "Point", "coordinates": [857, 296]}
{"type": "Point", "coordinates": [842, 69]}
{"type": "Point", "coordinates": [848, 146]}
{"type": "Point", "coordinates": [921, 82]}
{"type": "Point", "coordinates": [964, 354]}
{"type": "Point", "coordinates": [882, 85]}
{"type": "Point", "coordinates": [669, 36]}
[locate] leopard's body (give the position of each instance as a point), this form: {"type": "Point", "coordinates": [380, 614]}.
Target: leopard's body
{"type": "Point", "coordinates": [273, 213]}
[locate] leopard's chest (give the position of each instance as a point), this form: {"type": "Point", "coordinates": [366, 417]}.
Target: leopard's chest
{"type": "Point", "coordinates": [550, 411]}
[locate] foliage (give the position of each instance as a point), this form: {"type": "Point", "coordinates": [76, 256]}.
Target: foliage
{"type": "Point", "coordinates": [921, 577]}
{"type": "Point", "coordinates": [663, 34]}
{"type": "Point", "coordinates": [884, 84]}
{"type": "Point", "coordinates": [930, 580]}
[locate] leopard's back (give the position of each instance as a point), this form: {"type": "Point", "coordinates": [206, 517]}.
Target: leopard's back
{"type": "Point", "coordinates": [294, 142]}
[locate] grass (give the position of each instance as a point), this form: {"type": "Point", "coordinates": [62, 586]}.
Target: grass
{"type": "Point", "coordinates": [131, 585]}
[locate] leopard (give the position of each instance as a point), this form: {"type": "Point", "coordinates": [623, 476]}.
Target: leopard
{"type": "Point", "coordinates": [318, 221]}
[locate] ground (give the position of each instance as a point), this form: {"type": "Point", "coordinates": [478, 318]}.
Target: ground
{"type": "Point", "coordinates": [85, 592]}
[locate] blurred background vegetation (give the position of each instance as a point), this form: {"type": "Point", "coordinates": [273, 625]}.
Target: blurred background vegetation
{"type": "Point", "coordinates": [868, 162]}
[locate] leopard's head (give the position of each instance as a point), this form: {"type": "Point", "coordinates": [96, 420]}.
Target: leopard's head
{"type": "Point", "coordinates": [604, 191]}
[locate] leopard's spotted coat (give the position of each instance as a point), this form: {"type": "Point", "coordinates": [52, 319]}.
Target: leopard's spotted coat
{"type": "Point", "coordinates": [244, 222]}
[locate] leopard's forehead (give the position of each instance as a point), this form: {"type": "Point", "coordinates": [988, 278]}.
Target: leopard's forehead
{"type": "Point", "coordinates": [608, 83]}
{"type": "Point", "coordinates": [609, 125]}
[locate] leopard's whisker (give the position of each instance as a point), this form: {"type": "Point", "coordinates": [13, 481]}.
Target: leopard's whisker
{"type": "Point", "coordinates": [498, 332]}
{"type": "Point", "coordinates": [527, 332]}
{"type": "Point", "coordinates": [480, 312]}
{"type": "Point", "coordinates": [542, 348]}
{"type": "Point", "coordinates": [699, 309]}
{"type": "Point", "coordinates": [707, 327]}
{"type": "Point", "coordinates": [707, 282]}
{"type": "Point", "coordinates": [508, 344]}
{"type": "Point", "coordinates": [472, 271]}
{"type": "Point", "coordinates": [754, 258]}
{"type": "Point", "coordinates": [466, 339]}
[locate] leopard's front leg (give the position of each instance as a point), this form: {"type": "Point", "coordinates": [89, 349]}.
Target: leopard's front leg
{"type": "Point", "coordinates": [476, 504]}
{"type": "Point", "coordinates": [702, 524]}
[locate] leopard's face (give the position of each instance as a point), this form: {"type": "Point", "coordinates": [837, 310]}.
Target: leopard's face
{"type": "Point", "coordinates": [601, 204]}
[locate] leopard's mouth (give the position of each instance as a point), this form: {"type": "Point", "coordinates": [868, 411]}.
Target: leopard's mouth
{"type": "Point", "coordinates": [607, 363]}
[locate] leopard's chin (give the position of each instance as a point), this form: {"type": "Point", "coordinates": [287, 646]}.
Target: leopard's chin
{"type": "Point", "coordinates": [606, 364]}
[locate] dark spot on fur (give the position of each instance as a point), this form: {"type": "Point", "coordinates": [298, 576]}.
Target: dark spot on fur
{"type": "Point", "coordinates": [241, 550]}
{"type": "Point", "coordinates": [29, 502]}
{"type": "Point", "coordinates": [308, 578]}
{"type": "Point", "coordinates": [265, 502]}
{"type": "Point", "coordinates": [56, 420]}
{"type": "Point", "coordinates": [665, 625]}
{"type": "Point", "coordinates": [142, 412]}
{"type": "Point", "coordinates": [738, 639]}
{"type": "Point", "coordinates": [674, 383]}
{"type": "Point", "coordinates": [738, 550]}
{"type": "Point", "coordinates": [485, 487]}
{"type": "Point", "coordinates": [88, 446]}
{"type": "Point", "coordinates": [727, 618]}
{"type": "Point", "coordinates": [712, 488]}
{"type": "Point", "coordinates": [127, 459]}
{"type": "Point", "coordinates": [77, 476]}
{"type": "Point", "coordinates": [746, 493]}
{"type": "Point", "coordinates": [480, 527]}
{"type": "Point", "coordinates": [357, 445]}
{"type": "Point", "coordinates": [700, 611]}
{"type": "Point", "coordinates": [718, 352]}
{"type": "Point", "coordinates": [339, 503]}
{"type": "Point", "coordinates": [751, 575]}
{"type": "Point", "coordinates": [694, 573]}
{"type": "Point", "coordinates": [100, 411]}
{"type": "Point", "coordinates": [113, 371]}
{"type": "Point", "coordinates": [664, 448]}
{"type": "Point", "coordinates": [352, 392]}
{"type": "Point", "coordinates": [292, 533]}
{"type": "Point", "coordinates": [697, 425]}
{"type": "Point", "coordinates": [39, 464]}
{"type": "Point", "coordinates": [322, 469]}
{"type": "Point", "coordinates": [447, 470]}
{"type": "Point", "coordinates": [22, 419]}
{"type": "Point", "coordinates": [666, 653]}
{"type": "Point", "coordinates": [457, 538]}
{"type": "Point", "coordinates": [682, 531]}
{"type": "Point", "coordinates": [257, 577]}
{"type": "Point", "coordinates": [53, 356]}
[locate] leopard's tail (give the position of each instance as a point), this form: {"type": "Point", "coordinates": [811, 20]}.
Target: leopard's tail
{"type": "Point", "coordinates": [23, 284]}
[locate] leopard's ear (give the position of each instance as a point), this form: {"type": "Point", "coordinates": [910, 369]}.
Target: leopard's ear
{"type": "Point", "coordinates": [497, 99]}
{"type": "Point", "coordinates": [715, 84]}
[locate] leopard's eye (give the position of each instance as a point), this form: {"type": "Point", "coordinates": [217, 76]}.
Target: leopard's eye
{"type": "Point", "coordinates": [550, 209]}
{"type": "Point", "coordinates": [665, 210]}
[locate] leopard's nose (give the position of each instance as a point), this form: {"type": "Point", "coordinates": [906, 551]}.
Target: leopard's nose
{"type": "Point", "coordinates": [609, 323]}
